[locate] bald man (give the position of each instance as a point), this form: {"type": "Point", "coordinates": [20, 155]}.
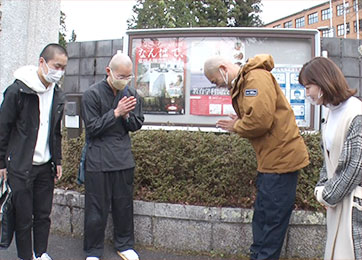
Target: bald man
{"type": "Point", "coordinates": [264, 116]}
{"type": "Point", "coordinates": [111, 108]}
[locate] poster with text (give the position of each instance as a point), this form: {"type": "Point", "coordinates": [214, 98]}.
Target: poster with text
{"type": "Point", "coordinates": [205, 98]}
{"type": "Point", "coordinates": [287, 77]}
{"type": "Point", "coordinates": [160, 66]}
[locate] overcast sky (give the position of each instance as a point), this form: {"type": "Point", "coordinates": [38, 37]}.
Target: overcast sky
{"type": "Point", "coordinates": [106, 19]}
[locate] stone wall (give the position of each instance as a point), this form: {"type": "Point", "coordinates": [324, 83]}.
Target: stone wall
{"type": "Point", "coordinates": [344, 52]}
{"type": "Point", "coordinates": [195, 228]}
{"type": "Point", "coordinates": [26, 27]}
{"type": "Point", "coordinates": [87, 63]}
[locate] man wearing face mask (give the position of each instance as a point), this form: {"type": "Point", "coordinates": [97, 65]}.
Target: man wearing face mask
{"type": "Point", "coordinates": [111, 109]}
{"type": "Point", "coordinates": [264, 116]}
{"type": "Point", "coordinates": [30, 147]}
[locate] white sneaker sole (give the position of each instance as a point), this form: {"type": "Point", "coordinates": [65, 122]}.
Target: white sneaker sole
{"type": "Point", "coordinates": [124, 257]}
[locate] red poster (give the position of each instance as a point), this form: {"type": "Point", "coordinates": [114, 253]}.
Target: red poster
{"type": "Point", "coordinates": [160, 74]}
{"type": "Point", "coordinates": [210, 105]}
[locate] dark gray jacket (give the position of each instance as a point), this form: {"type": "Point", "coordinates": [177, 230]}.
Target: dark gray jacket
{"type": "Point", "coordinates": [109, 144]}
{"type": "Point", "coordinates": [19, 124]}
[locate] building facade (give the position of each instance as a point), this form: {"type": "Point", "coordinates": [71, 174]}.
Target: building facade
{"type": "Point", "coordinates": [331, 18]}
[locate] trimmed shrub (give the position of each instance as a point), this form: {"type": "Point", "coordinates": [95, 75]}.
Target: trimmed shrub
{"type": "Point", "coordinates": [198, 168]}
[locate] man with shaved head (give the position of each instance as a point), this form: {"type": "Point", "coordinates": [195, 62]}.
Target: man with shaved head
{"type": "Point", "coordinates": [264, 116]}
{"type": "Point", "coordinates": [111, 109]}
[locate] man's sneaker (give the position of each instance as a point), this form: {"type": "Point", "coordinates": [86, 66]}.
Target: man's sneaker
{"type": "Point", "coordinates": [129, 254]}
{"type": "Point", "coordinates": [92, 258]}
{"type": "Point", "coordinates": [44, 256]}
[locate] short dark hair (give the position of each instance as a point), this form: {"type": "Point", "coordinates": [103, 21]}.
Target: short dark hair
{"type": "Point", "coordinates": [324, 73]}
{"type": "Point", "coordinates": [51, 49]}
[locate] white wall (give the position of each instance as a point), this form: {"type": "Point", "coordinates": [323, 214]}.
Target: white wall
{"type": "Point", "coordinates": [27, 26]}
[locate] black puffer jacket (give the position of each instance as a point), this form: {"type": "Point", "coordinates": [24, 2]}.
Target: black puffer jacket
{"type": "Point", "coordinates": [19, 124]}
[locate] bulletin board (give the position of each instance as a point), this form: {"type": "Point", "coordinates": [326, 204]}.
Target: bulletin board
{"type": "Point", "coordinates": [168, 68]}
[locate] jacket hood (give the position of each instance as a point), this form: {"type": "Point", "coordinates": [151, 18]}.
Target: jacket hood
{"type": "Point", "coordinates": [261, 61]}
{"type": "Point", "coordinates": [29, 76]}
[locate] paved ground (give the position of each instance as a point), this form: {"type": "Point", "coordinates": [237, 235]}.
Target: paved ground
{"type": "Point", "coordinates": [68, 248]}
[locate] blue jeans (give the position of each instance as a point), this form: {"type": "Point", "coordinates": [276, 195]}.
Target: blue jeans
{"type": "Point", "coordinates": [272, 209]}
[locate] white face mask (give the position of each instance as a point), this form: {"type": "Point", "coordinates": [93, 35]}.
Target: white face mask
{"type": "Point", "coordinates": [314, 101]}
{"type": "Point", "coordinates": [119, 84]}
{"type": "Point", "coordinates": [225, 78]}
{"type": "Point", "coordinates": [53, 75]}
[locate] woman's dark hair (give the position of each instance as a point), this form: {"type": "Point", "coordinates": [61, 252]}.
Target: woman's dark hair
{"type": "Point", "coordinates": [324, 73]}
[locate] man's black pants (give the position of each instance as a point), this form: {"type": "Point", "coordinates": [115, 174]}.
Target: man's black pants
{"type": "Point", "coordinates": [272, 209]}
{"type": "Point", "coordinates": [102, 190]}
{"type": "Point", "coordinates": [32, 200]}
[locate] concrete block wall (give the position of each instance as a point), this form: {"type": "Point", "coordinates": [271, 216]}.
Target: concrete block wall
{"type": "Point", "coordinates": [195, 228]}
{"type": "Point", "coordinates": [344, 52]}
{"type": "Point", "coordinates": [87, 63]}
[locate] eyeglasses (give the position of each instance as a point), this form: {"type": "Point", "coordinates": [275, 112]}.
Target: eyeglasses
{"type": "Point", "coordinates": [120, 77]}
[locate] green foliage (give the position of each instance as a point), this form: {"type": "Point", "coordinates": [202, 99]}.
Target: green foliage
{"type": "Point", "coordinates": [189, 13]}
{"type": "Point", "coordinates": [63, 31]}
{"type": "Point", "coordinates": [309, 175]}
{"type": "Point", "coordinates": [193, 167]}
{"type": "Point", "coordinates": [73, 38]}
{"type": "Point", "coordinates": [198, 168]}
{"type": "Point", "coordinates": [71, 152]}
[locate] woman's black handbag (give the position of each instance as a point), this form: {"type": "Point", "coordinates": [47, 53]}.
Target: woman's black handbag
{"type": "Point", "coordinates": [7, 216]}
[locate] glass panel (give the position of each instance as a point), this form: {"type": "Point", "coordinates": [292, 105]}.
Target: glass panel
{"type": "Point", "coordinates": [169, 74]}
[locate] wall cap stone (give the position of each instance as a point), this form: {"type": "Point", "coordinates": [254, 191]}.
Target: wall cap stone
{"type": "Point", "coordinates": [191, 212]}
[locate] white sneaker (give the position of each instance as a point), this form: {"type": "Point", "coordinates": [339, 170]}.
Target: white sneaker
{"type": "Point", "coordinates": [44, 256]}
{"type": "Point", "coordinates": [129, 254]}
{"type": "Point", "coordinates": [92, 258]}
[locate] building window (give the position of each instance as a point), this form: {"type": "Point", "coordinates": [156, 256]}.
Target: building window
{"type": "Point", "coordinates": [277, 26]}
{"type": "Point", "coordinates": [288, 24]}
{"type": "Point", "coordinates": [340, 29]}
{"type": "Point", "coordinates": [340, 9]}
{"type": "Point", "coordinates": [299, 22]}
{"type": "Point", "coordinates": [326, 14]}
{"type": "Point", "coordinates": [313, 18]}
{"type": "Point", "coordinates": [325, 33]}
{"type": "Point", "coordinates": [355, 5]}
{"type": "Point", "coordinates": [355, 26]}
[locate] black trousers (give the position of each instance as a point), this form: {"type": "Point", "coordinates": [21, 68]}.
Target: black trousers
{"type": "Point", "coordinates": [272, 209]}
{"type": "Point", "coordinates": [32, 200]}
{"type": "Point", "coordinates": [102, 190]}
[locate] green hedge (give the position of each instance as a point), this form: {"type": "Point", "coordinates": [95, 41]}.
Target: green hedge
{"type": "Point", "coordinates": [197, 168]}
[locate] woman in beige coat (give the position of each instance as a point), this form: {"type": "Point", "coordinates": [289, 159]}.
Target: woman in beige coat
{"type": "Point", "coordinates": [339, 188]}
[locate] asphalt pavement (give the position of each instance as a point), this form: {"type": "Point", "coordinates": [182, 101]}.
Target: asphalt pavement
{"type": "Point", "coordinates": [70, 248]}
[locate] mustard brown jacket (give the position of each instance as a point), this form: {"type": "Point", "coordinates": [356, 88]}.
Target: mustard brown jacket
{"type": "Point", "coordinates": [266, 118]}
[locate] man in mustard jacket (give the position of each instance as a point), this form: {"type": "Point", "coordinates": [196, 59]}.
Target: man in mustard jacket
{"type": "Point", "coordinates": [264, 116]}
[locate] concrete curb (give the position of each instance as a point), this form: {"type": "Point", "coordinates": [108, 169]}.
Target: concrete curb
{"type": "Point", "coordinates": [196, 228]}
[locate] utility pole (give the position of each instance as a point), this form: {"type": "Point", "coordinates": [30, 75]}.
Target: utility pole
{"type": "Point", "coordinates": [344, 18]}
{"type": "Point", "coordinates": [357, 19]}
{"type": "Point", "coordinates": [330, 19]}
